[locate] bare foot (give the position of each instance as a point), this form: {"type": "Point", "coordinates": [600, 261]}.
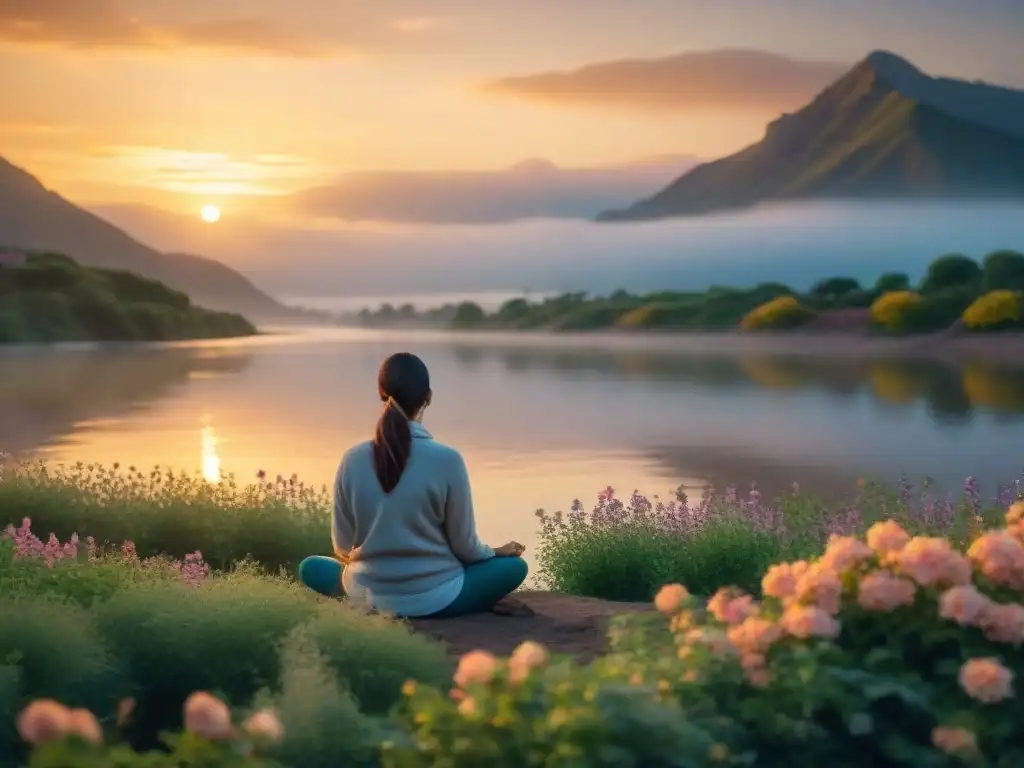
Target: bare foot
{"type": "Point", "coordinates": [509, 606]}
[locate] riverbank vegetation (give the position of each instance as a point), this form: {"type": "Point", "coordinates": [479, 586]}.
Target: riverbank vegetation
{"type": "Point", "coordinates": [955, 290]}
{"type": "Point", "coordinates": [898, 651]}
{"type": "Point", "coordinates": [51, 298]}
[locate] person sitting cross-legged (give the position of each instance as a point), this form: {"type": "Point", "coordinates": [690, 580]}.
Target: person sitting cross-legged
{"type": "Point", "coordinates": [404, 532]}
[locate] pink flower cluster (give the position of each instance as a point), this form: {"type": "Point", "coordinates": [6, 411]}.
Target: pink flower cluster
{"type": "Point", "coordinates": [890, 570]}
{"type": "Point", "coordinates": [45, 720]}
{"type": "Point", "coordinates": [27, 544]}
{"type": "Point", "coordinates": [193, 569]}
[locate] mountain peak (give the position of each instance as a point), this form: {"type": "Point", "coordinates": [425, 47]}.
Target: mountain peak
{"type": "Point", "coordinates": [885, 129]}
{"type": "Point", "coordinates": [896, 72]}
{"type": "Point", "coordinates": [534, 165]}
{"type": "Point", "coordinates": [889, 63]}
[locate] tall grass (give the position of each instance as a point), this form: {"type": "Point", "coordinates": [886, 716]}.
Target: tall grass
{"type": "Point", "coordinates": [274, 522]}
{"type": "Point", "coordinates": [625, 550]}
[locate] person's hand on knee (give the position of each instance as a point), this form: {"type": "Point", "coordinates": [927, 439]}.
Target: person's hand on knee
{"type": "Point", "coordinates": [512, 549]}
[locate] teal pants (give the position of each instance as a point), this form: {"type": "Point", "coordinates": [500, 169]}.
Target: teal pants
{"type": "Point", "coordinates": [485, 582]}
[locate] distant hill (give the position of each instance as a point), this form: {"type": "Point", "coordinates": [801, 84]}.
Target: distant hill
{"type": "Point", "coordinates": [883, 130]}
{"type": "Point", "coordinates": [50, 298]}
{"type": "Point", "coordinates": [34, 218]}
{"type": "Point", "coordinates": [531, 189]}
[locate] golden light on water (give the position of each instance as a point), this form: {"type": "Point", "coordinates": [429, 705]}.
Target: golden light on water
{"type": "Point", "coordinates": [210, 459]}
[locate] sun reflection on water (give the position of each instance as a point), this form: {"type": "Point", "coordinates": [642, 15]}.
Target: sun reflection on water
{"type": "Point", "coordinates": [210, 459]}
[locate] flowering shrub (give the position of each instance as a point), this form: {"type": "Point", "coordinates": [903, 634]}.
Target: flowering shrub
{"type": "Point", "coordinates": [781, 312]}
{"type": "Point", "coordinates": [94, 626]}
{"type": "Point", "coordinates": [995, 310]}
{"type": "Point", "coordinates": [63, 737]}
{"type": "Point", "coordinates": [891, 311]}
{"type": "Point", "coordinates": [79, 570]}
{"type": "Point", "coordinates": [625, 550]}
{"type": "Point", "coordinates": [891, 650]}
{"type": "Point", "coordinates": [275, 522]}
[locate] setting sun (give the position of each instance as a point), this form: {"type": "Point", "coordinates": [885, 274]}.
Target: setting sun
{"type": "Point", "coordinates": [210, 214]}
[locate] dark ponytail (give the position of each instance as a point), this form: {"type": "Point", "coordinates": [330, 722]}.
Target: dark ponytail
{"type": "Point", "coordinates": [404, 385]}
{"type": "Point", "coordinates": [391, 446]}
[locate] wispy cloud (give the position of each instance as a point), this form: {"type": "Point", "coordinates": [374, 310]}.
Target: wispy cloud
{"type": "Point", "coordinates": [204, 173]}
{"type": "Point", "coordinates": [723, 79]}
{"type": "Point", "coordinates": [115, 24]}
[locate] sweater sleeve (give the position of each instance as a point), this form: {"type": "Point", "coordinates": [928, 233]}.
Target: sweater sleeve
{"type": "Point", "coordinates": [459, 521]}
{"type": "Point", "coordinates": [343, 529]}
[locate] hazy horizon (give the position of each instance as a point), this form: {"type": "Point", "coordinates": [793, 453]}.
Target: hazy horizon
{"type": "Point", "coordinates": [797, 244]}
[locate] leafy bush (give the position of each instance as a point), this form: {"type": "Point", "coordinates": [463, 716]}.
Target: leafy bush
{"type": "Point", "coordinates": [783, 312]}
{"type": "Point", "coordinates": [892, 311]}
{"type": "Point", "coordinates": [1003, 270]}
{"type": "Point", "coordinates": [832, 287]}
{"type": "Point", "coordinates": [954, 270]}
{"type": "Point", "coordinates": [892, 281]}
{"type": "Point", "coordinates": [157, 630]}
{"type": "Point", "coordinates": [625, 550]}
{"type": "Point", "coordinates": [898, 651]}
{"type": "Point", "coordinates": [996, 310]}
{"type": "Point", "coordinates": [468, 314]}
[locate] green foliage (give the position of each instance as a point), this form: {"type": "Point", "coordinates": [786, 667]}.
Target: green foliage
{"type": "Point", "coordinates": [630, 562]}
{"type": "Point", "coordinates": [322, 723]}
{"type": "Point", "coordinates": [276, 523]}
{"type": "Point", "coordinates": [996, 310]}
{"type": "Point", "coordinates": [892, 311]}
{"type": "Point", "coordinates": [868, 660]}
{"type": "Point", "coordinates": [468, 315]}
{"type": "Point", "coordinates": [51, 298]}
{"type": "Point", "coordinates": [157, 640]}
{"type": "Point", "coordinates": [892, 281]}
{"type": "Point", "coordinates": [954, 270]}
{"type": "Point", "coordinates": [938, 310]}
{"type": "Point", "coordinates": [1003, 270]}
{"type": "Point", "coordinates": [780, 313]}
{"type": "Point", "coordinates": [832, 287]}
{"type": "Point", "coordinates": [951, 283]}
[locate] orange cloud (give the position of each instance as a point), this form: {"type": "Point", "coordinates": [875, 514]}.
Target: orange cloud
{"type": "Point", "coordinates": [111, 24]}
{"type": "Point", "coordinates": [705, 80]}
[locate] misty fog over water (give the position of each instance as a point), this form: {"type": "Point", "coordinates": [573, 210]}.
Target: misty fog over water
{"type": "Point", "coordinates": [795, 244]}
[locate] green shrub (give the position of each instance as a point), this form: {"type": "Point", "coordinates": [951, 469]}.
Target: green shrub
{"type": "Point", "coordinates": [996, 310]}
{"type": "Point", "coordinates": [892, 311]}
{"type": "Point", "coordinates": [51, 649]}
{"type": "Point", "coordinates": [1003, 271]}
{"type": "Point", "coordinates": [783, 312]}
{"type": "Point", "coordinates": [631, 562]}
{"type": "Point", "coordinates": [468, 315]}
{"type": "Point", "coordinates": [277, 523]}
{"type": "Point", "coordinates": [833, 287]}
{"type": "Point", "coordinates": [954, 270]}
{"type": "Point", "coordinates": [899, 653]}
{"type": "Point", "coordinates": [892, 281]}
{"type": "Point", "coordinates": [323, 727]}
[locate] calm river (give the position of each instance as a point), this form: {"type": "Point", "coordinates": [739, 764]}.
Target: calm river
{"type": "Point", "coordinates": [540, 420]}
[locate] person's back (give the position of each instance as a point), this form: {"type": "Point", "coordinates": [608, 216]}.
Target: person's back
{"type": "Point", "coordinates": [408, 546]}
{"type": "Point", "coordinates": [404, 526]}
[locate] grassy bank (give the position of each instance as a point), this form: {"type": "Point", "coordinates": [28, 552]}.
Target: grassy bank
{"type": "Point", "coordinates": [984, 296]}
{"type": "Point", "coordinates": [52, 298]}
{"type": "Point", "coordinates": [865, 654]}
{"type": "Point", "coordinates": [618, 549]}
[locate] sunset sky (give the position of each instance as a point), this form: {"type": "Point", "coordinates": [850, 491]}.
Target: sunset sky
{"type": "Point", "coordinates": [181, 103]}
